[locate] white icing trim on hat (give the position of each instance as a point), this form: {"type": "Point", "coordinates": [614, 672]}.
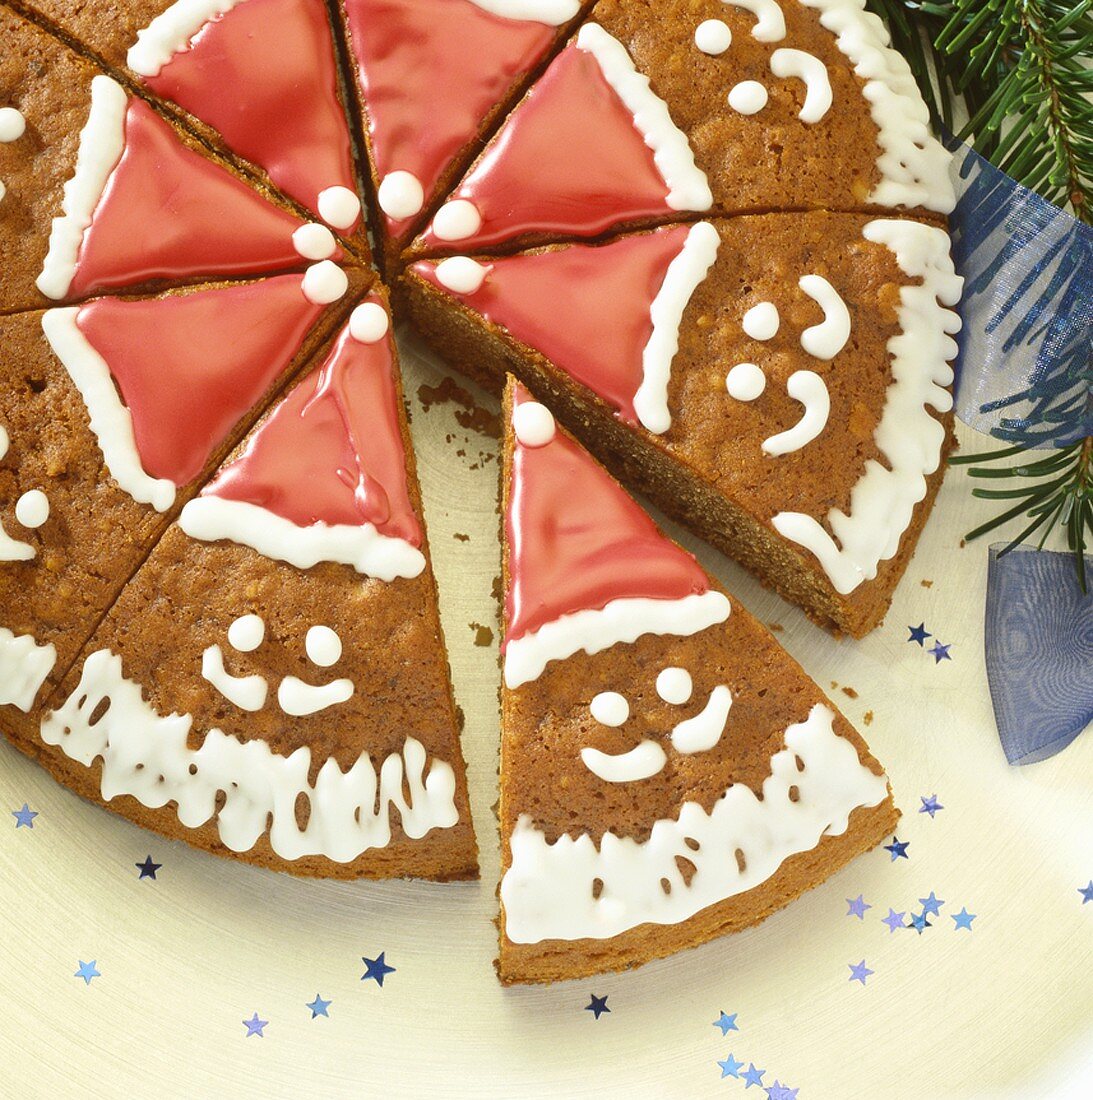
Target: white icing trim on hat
{"type": "Point", "coordinates": [171, 32]}
{"type": "Point", "coordinates": [684, 275]}
{"type": "Point", "coordinates": [770, 25]}
{"type": "Point", "coordinates": [101, 144]}
{"type": "Point", "coordinates": [551, 12]}
{"type": "Point", "coordinates": [547, 891]}
{"type": "Point", "coordinates": [914, 165]}
{"type": "Point", "coordinates": [110, 420]}
{"type": "Point", "coordinates": [24, 666]}
{"type": "Point", "coordinates": [687, 185]}
{"type": "Point", "coordinates": [145, 754]}
{"type": "Point", "coordinates": [908, 437]}
{"type": "Point", "coordinates": [211, 518]}
{"type": "Point", "coordinates": [596, 629]}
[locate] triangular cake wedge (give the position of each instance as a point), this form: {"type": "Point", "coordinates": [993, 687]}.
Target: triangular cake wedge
{"type": "Point", "coordinates": [669, 774]}
{"type": "Point", "coordinates": [433, 77]}
{"type": "Point", "coordinates": [778, 382]}
{"type": "Point", "coordinates": [112, 415]}
{"type": "Point", "coordinates": [102, 193]}
{"type": "Point", "coordinates": [738, 108]}
{"type": "Point", "coordinates": [275, 673]}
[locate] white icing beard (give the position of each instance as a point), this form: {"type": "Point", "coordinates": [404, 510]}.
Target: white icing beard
{"type": "Point", "coordinates": [547, 892]}
{"type": "Point", "coordinates": [24, 666]}
{"type": "Point", "coordinates": [144, 754]}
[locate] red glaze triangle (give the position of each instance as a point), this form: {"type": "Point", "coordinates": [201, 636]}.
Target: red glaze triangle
{"type": "Point", "coordinates": [430, 72]}
{"type": "Point", "coordinates": [169, 213]}
{"type": "Point", "coordinates": [569, 161]}
{"type": "Point", "coordinates": [332, 451]}
{"type": "Point", "coordinates": [577, 540]}
{"type": "Point", "coordinates": [585, 307]}
{"type": "Point", "coordinates": [189, 366]}
{"type": "Point", "coordinates": [263, 76]}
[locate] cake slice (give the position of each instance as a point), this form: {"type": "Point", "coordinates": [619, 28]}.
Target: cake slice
{"type": "Point", "coordinates": [112, 415]}
{"type": "Point", "coordinates": [103, 193]}
{"type": "Point", "coordinates": [779, 382]}
{"type": "Point", "coordinates": [273, 684]}
{"type": "Point", "coordinates": [658, 109]}
{"type": "Point", "coordinates": [668, 773]}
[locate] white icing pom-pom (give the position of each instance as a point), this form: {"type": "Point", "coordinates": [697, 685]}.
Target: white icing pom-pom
{"type": "Point", "coordinates": [609, 708]}
{"type": "Point", "coordinates": [745, 381]}
{"type": "Point", "coordinates": [748, 97]}
{"type": "Point", "coordinates": [457, 220]}
{"type": "Point", "coordinates": [533, 424]}
{"type": "Point", "coordinates": [674, 685]}
{"type": "Point", "coordinates": [246, 633]}
{"type": "Point", "coordinates": [761, 321]}
{"type": "Point", "coordinates": [32, 508]}
{"type": "Point", "coordinates": [323, 646]}
{"type": "Point", "coordinates": [368, 323]}
{"type": "Point", "coordinates": [324, 283]}
{"type": "Point", "coordinates": [314, 242]}
{"type": "Point", "coordinates": [712, 36]}
{"type": "Point", "coordinates": [12, 124]}
{"type": "Point", "coordinates": [339, 207]}
{"type": "Point", "coordinates": [461, 274]}
{"type": "Point", "coordinates": [400, 195]}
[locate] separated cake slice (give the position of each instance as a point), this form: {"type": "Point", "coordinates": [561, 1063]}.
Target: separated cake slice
{"type": "Point", "coordinates": [668, 773]}
{"type": "Point", "coordinates": [660, 108]}
{"type": "Point", "coordinates": [112, 415]}
{"type": "Point", "coordinates": [433, 77]}
{"type": "Point", "coordinates": [272, 683]}
{"type": "Point", "coordinates": [101, 192]}
{"type": "Point", "coordinates": [779, 382]}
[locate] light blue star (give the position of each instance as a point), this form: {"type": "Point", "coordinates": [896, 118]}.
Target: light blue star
{"type": "Point", "coordinates": [898, 848]}
{"type": "Point", "coordinates": [87, 971]}
{"type": "Point", "coordinates": [753, 1076]}
{"type": "Point", "coordinates": [1086, 892]}
{"type": "Point", "coordinates": [730, 1067]}
{"type": "Point", "coordinates": [254, 1026]}
{"type": "Point", "coordinates": [940, 652]}
{"type": "Point", "coordinates": [963, 919]}
{"type": "Point", "coordinates": [778, 1091]}
{"type": "Point", "coordinates": [860, 972]}
{"type": "Point", "coordinates": [319, 1007]}
{"type": "Point", "coordinates": [24, 817]}
{"type": "Point", "coordinates": [377, 969]}
{"type": "Point", "coordinates": [919, 922]}
{"type": "Point", "coordinates": [726, 1022]}
{"type": "Point", "coordinates": [858, 907]}
{"type": "Point", "coordinates": [929, 805]}
{"type": "Point", "coordinates": [932, 905]}
{"type": "Point", "coordinates": [894, 920]}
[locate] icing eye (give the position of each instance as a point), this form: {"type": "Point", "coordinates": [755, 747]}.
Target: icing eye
{"type": "Point", "coordinates": [674, 685]}
{"type": "Point", "coordinates": [745, 381]}
{"type": "Point", "coordinates": [32, 508]}
{"type": "Point", "coordinates": [246, 633]}
{"type": "Point", "coordinates": [748, 97]}
{"type": "Point", "coordinates": [12, 124]}
{"type": "Point", "coordinates": [761, 321]}
{"type": "Point", "coordinates": [609, 708]}
{"type": "Point", "coordinates": [712, 36]}
{"type": "Point", "coordinates": [323, 646]}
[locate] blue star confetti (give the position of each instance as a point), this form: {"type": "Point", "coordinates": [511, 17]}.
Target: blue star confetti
{"type": "Point", "coordinates": [376, 969]}
{"type": "Point", "coordinates": [929, 805]}
{"type": "Point", "coordinates": [919, 634]}
{"type": "Point", "coordinates": [753, 1076]}
{"type": "Point", "coordinates": [319, 1007]}
{"type": "Point", "coordinates": [932, 905]}
{"type": "Point", "coordinates": [898, 848]}
{"type": "Point", "coordinates": [940, 652]}
{"type": "Point", "coordinates": [24, 817]}
{"type": "Point", "coordinates": [597, 1005]}
{"type": "Point", "coordinates": [963, 919]}
{"type": "Point", "coordinates": [894, 920]}
{"type": "Point", "coordinates": [1086, 892]}
{"type": "Point", "coordinates": [726, 1022]}
{"type": "Point", "coordinates": [87, 971]}
{"type": "Point", "coordinates": [730, 1067]}
{"type": "Point", "coordinates": [255, 1026]}
{"type": "Point", "coordinates": [919, 922]}
{"type": "Point", "coordinates": [860, 972]}
{"type": "Point", "coordinates": [778, 1091]}
{"type": "Point", "coordinates": [858, 907]}
{"type": "Point", "coordinates": [148, 869]}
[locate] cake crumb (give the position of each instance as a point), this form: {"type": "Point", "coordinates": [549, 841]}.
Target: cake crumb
{"type": "Point", "coordinates": [867, 718]}
{"type": "Point", "coordinates": [775, 628]}
{"type": "Point", "coordinates": [469, 415]}
{"type": "Point", "coordinates": [926, 583]}
{"type": "Point", "coordinates": [850, 693]}
{"type": "Point", "coordinates": [461, 537]}
{"type": "Point", "coordinates": [483, 635]}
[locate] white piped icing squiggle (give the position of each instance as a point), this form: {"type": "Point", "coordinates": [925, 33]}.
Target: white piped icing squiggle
{"type": "Point", "coordinates": [299, 699]}
{"type": "Point", "coordinates": [908, 437]}
{"type": "Point", "coordinates": [246, 692]}
{"type": "Point", "coordinates": [810, 389]}
{"type": "Point", "coordinates": [547, 892]}
{"type": "Point", "coordinates": [770, 25]}
{"type": "Point", "coordinates": [827, 339]}
{"type": "Point", "coordinates": [171, 31]}
{"type": "Point", "coordinates": [643, 761]}
{"type": "Point", "coordinates": [704, 730]}
{"type": "Point", "coordinates": [24, 666]}
{"type": "Point", "coordinates": [805, 66]}
{"type": "Point", "coordinates": [145, 754]}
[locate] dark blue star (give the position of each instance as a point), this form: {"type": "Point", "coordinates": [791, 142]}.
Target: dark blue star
{"type": "Point", "coordinates": [929, 805]}
{"type": "Point", "coordinates": [753, 1076]}
{"type": "Point", "coordinates": [940, 652]}
{"type": "Point", "coordinates": [1086, 892]}
{"type": "Point", "coordinates": [254, 1026]}
{"type": "Point", "coordinates": [598, 1005]}
{"type": "Point", "coordinates": [963, 919]}
{"type": "Point", "coordinates": [898, 848]}
{"type": "Point", "coordinates": [25, 816]}
{"type": "Point", "coordinates": [919, 922]}
{"type": "Point", "coordinates": [377, 969]}
{"type": "Point", "coordinates": [730, 1067]}
{"type": "Point", "coordinates": [87, 971]}
{"type": "Point", "coordinates": [932, 905]}
{"type": "Point", "coordinates": [919, 634]}
{"type": "Point", "coordinates": [148, 869]}
{"type": "Point", "coordinates": [726, 1022]}
{"type": "Point", "coordinates": [894, 920]}
{"type": "Point", "coordinates": [858, 907]}
{"type": "Point", "coordinates": [319, 1007]}
{"type": "Point", "coordinates": [859, 973]}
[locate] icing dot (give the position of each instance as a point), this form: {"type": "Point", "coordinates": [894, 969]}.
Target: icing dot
{"type": "Point", "coordinates": [761, 321]}
{"type": "Point", "coordinates": [461, 274]}
{"type": "Point", "coordinates": [324, 283]}
{"type": "Point", "coordinates": [368, 323]}
{"type": "Point", "coordinates": [674, 685]}
{"type": "Point", "coordinates": [712, 36]}
{"type": "Point", "coordinates": [745, 381]}
{"type": "Point", "coordinates": [748, 97]}
{"type": "Point", "coordinates": [400, 195]}
{"type": "Point", "coordinates": [4, 441]}
{"type": "Point", "coordinates": [314, 241]}
{"type": "Point", "coordinates": [533, 424]}
{"type": "Point", "coordinates": [456, 220]}
{"type": "Point", "coordinates": [32, 508]}
{"type": "Point", "coordinates": [339, 207]}
{"type": "Point", "coordinates": [323, 646]}
{"type": "Point", "coordinates": [12, 124]}
{"type": "Point", "coordinates": [609, 708]}
{"type": "Point", "coordinates": [246, 633]}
